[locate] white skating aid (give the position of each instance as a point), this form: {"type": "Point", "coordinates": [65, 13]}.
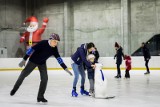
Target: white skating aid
{"type": "Point", "coordinates": [100, 82]}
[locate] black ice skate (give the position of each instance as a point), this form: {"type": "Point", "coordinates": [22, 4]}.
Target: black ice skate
{"type": "Point", "coordinates": [42, 100]}
{"type": "Point", "coordinates": [12, 92]}
{"type": "Point", "coordinates": [117, 76]}
{"type": "Point", "coordinates": [146, 73]}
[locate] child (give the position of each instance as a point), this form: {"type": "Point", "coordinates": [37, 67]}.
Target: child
{"type": "Point", "coordinates": [90, 71]}
{"type": "Point", "coordinates": [128, 65]}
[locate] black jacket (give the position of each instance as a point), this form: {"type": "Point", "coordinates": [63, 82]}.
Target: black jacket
{"type": "Point", "coordinates": [42, 51]}
{"type": "Point", "coordinates": [146, 53]}
{"type": "Point", "coordinates": [119, 55]}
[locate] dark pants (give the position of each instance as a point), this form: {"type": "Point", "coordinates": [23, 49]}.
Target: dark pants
{"type": "Point", "coordinates": [27, 70]}
{"type": "Point", "coordinates": [146, 64]}
{"type": "Point", "coordinates": [91, 78]}
{"type": "Point", "coordinates": [127, 75]}
{"type": "Point", "coordinates": [118, 70]}
{"type": "Point", "coordinates": [90, 73]}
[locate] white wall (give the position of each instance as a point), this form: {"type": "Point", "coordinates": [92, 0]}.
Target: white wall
{"type": "Point", "coordinates": [108, 62]}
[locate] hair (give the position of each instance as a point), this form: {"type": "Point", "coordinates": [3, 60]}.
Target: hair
{"type": "Point", "coordinates": [90, 45]}
{"type": "Point", "coordinates": [143, 43]}
{"type": "Point", "coordinates": [117, 45]}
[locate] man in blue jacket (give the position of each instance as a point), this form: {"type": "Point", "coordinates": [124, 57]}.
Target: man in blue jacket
{"type": "Point", "coordinates": [79, 60]}
{"type": "Point", "coordinates": [38, 55]}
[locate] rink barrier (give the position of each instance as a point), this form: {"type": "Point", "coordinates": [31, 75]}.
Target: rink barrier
{"type": "Point", "coordinates": [8, 64]}
{"type": "Point", "coordinates": [54, 69]}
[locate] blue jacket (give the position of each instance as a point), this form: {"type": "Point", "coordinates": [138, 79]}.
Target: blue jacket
{"type": "Point", "coordinates": [79, 56]}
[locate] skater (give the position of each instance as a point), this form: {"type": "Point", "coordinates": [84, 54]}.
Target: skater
{"type": "Point", "coordinates": [128, 66]}
{"type": "Point", "coordinates": [91, 72]}
{"type": "Point", "coordinates": [79, 59]}
{"type": "Point", "coordinates": [119, 54]}
{"type": "Point", "coordinates": [94, 52]}
{"type": "Point", "coordinates": [147, 56]}
{"type": "Point", "coordinates": [38, 56]}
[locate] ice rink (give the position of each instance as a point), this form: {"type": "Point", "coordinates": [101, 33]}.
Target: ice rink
{"type": "Point", "coordinates": [139, 91]}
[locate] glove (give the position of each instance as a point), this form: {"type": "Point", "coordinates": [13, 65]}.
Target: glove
{"type": "Point", "coordinates": [22, 63]}
{"type": "Point", "coordinates": [45, 20]}
{"type": "Point", "coordinates": [68, 71]}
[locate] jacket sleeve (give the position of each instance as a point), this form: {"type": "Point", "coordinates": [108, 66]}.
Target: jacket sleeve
{"type": "Point", "coordinates": [28, 53]}
{"type": "Point", "coordinates": [59, 59]}
{"type": "Point", "coordinates": [97, 55]}
{"type": "Point", "coordinates": [83, 57]}
{"type": "Point", "coordinates": [148, 53]}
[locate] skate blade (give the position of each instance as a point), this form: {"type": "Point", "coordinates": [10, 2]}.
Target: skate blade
{"type": "Point", "coordinates": [109, 97]}
{"type": "Point", "coordinates": [42, 103]}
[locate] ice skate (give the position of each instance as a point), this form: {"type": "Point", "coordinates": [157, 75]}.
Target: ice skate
{"type": "Point", "coordinates": [84, 92]}
{"type": "Point", "coordinates": [43, 100]}
{"type": "Point", "coordinates": [91, 93]}
{"type": "Point", "coordinates": [74, 93]}
{"type": "Point", "coordinates": [117, 76]}
{"type": "Point", "coordinates": [12, 92]}
{"type": "Point", "coordinates": [146, 73]}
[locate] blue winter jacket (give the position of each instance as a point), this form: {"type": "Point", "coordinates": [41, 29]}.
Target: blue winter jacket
{"type": "Point", "coordinates": [79, 56]}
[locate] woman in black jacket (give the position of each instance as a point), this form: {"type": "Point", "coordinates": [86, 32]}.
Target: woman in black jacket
{"type": "Point", "coordinates": [119, 54]}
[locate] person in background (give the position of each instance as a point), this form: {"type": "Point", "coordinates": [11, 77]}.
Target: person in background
{"type": "Point", "coordinates": [147, 56]}
{"type": "Point", "coordinates": [128, 66]}
{"type": "Point", "coordinates": [119, 54]}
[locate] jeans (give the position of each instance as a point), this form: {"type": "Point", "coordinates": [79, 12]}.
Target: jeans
{"type": "Point", "coordinates": [91, 82]}
{"type": "Point", "coordinates": [78, 69]}
{"type": "Point", "coordinates": [27, 70]}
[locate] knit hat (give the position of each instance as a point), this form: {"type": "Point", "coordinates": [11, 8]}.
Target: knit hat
{"type": "Point", "coordinates": [116, 44]}
{"type": "Point", "coordinates": [54, 36]}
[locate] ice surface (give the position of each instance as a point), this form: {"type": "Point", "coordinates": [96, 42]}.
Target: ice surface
{"type": "Point", "coordinates": [139, 91]}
